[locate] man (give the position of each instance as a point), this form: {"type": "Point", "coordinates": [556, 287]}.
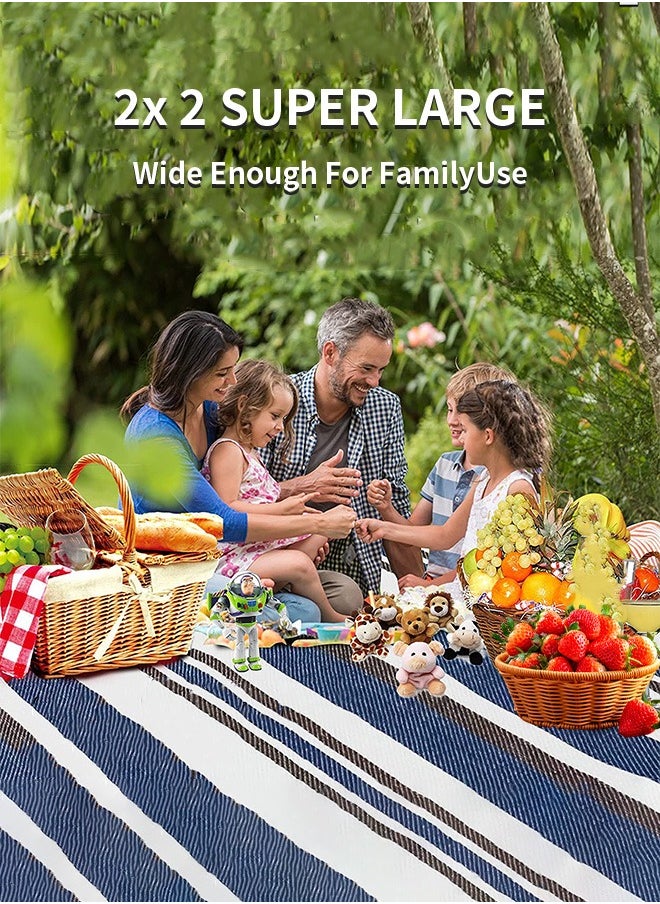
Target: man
{"type": "Point", "coordinates": [349, 431]}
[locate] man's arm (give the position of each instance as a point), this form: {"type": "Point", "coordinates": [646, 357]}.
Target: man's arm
{"type": "Point", "coordinates": [331, 483]}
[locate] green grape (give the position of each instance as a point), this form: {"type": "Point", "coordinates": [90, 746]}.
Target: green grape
{"type": "Point", "coordinates": [2, 583]}
{"type": "Point", "coordinates": [11, 540]}
{"type": "Point", "coordinates": [38, 533]}
{"type": "Point", "coordinates": [25, 543]}
{"type": "Point", "coordinates": [22, 531]}
{"type": "Point", "coordinates": [15, 557]}
{"type": "Point", "coordinates": [32, 558]}
{"type": "Point", "coordinates": [41, 545]}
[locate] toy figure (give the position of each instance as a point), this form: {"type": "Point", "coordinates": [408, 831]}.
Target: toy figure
{"type": "Point", "coordinates": [244, 598]}
{"type": "Point", "coordinates": [419, 668]}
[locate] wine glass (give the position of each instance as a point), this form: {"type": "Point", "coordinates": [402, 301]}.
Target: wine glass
{"type": "Point", "coordinates": [71, 539]}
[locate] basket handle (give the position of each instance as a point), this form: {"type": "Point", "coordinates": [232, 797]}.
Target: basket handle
{"type": "Point", "coordinates": [653, 554]}
{"type": "Point", "coordinates": [127, 506]}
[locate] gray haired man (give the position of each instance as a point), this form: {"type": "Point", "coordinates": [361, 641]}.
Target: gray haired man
{"type": "Point", "coordinates": [349, 431]}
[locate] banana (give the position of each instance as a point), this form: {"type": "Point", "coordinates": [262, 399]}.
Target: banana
{"type": "Point", "coordinates": [620, 548]}
{"type": "Point", "coordinates": [611, 514]}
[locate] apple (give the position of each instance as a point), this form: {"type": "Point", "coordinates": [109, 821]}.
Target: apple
{"type": "Point", "coordinates": [470, 562]}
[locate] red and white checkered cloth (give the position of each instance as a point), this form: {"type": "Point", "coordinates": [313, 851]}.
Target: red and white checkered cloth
{"type": "Point", "coordinates": [21, 605]}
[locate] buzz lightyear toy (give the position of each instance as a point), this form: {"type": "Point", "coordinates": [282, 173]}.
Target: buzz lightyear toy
{"type": "Point", "coordinates": [245, 597]}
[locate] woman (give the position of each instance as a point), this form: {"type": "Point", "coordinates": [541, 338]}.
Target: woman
{"type": "Point", "coordinates": [191, 368]}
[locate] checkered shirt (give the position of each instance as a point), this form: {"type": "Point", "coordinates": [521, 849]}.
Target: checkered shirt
{"type": "Point", "coordinates": [21, 605]}
{"type": "Point", "coordinates": [375, 447]}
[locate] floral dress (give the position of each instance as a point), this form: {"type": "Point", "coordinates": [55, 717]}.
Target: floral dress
{"type": "Point", "coordinates": [257, 486]}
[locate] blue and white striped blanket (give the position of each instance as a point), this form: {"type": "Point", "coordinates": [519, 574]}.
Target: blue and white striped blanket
{"type": "Point", "coordinates": [312, 780]}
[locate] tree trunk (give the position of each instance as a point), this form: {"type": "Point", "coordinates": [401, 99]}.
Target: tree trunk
{"type": "Point", "coordinates": [423, 28]}
{"type": "Point", "coordinates": [640, 321]}
{"type": "Point", "coordinates": [470, 30]}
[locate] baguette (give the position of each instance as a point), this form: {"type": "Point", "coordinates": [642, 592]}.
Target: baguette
{"type": "Point", "coordinates": [163, 532]}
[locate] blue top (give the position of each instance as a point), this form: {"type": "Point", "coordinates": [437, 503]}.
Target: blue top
{"type": "Point", "coordinates": [199, 495]}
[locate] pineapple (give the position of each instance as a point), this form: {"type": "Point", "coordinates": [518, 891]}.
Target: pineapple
{"type": "Point", "coordinates": [560, 538]}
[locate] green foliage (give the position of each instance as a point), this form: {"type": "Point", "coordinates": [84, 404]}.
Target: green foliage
{"type": "Point", "coordinates": [492, 269]}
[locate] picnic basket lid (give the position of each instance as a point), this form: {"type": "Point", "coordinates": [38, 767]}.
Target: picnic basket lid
{"type": "Point", "coordinates": [28, 499]}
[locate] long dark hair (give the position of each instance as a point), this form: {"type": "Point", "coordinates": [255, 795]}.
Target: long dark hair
{"type": "Point", "coordinates": [518, 418]}
{"type": "Point", "coordinates": [188, 347]}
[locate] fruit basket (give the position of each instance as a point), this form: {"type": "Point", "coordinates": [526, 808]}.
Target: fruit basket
{"type": "Point", "coordinates": [554, 552]}
{"type": "Point", "coordinates": [573, 699]}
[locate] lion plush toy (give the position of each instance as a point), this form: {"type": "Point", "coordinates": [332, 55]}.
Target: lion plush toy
{"type": "Point", "coordinates": [442, 610]}
{"type": "Point", "coordinates": [416, 625]}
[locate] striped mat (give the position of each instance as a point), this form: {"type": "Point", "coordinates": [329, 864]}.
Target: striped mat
{"type": "Point", "coordinates": [313, 781]}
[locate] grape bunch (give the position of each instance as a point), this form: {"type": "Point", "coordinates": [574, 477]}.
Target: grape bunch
{"type": "Point", "coordinates": [512, 528]}
{"type": "Point", "coordinates": [21, 546]}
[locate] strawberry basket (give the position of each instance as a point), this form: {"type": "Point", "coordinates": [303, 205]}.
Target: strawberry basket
{"type": "Point", "coordinates": [573, 700]}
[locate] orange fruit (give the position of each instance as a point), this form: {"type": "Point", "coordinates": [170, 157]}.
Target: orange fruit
{"type": "Point", "coordinates": [479, 554]}
{"type": "Point", "coordinates": [505, 593]}
{"type": "Point", "coordinates": [565, 594]}
{"type": "Point", "coordinates": [511, 567]}
{"type": "Point", "coordinates": [540, 586]}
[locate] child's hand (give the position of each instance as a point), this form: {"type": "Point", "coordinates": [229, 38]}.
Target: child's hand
{"type": "Point", "coordinates": [322, 554]}
{"type": "Point", "coordinates": [379, 493]}
{"type": "Point", "coordinates": [296, 505]}
{"type": "Point", "coordinates": [369, 530]}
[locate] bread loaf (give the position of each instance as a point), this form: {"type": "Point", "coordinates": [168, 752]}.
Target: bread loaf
{"type": "Point", "coordinates": [163, 531]}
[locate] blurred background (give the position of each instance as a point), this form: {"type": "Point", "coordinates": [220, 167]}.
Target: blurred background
{"type": "Point", "coordinates": [92, 266]}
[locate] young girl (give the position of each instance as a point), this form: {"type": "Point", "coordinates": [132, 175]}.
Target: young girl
{"type": "Point", "coordinates": [259, 407]}
{"type": "Point", "coordinates": [503, 428]}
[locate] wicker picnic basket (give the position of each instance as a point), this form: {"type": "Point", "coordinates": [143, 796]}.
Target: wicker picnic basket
{"type": "Point", "coordinates": [132, 608]}
{"type": "Point", "coordinates": [573, 699]}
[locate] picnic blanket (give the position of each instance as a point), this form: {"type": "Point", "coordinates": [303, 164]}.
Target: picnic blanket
{"type": "Point", "coordinates": [312, 780]}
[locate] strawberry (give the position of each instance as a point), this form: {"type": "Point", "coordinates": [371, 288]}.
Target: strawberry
{"type": "Point", "coordinates": [520, 639]}
{"type": "Point", "coordinates": [608, 627]}
{"type": "Point", "coordinates": [642, 651]}
{"type": "Point", "coordinates": [550, 622]}
{"type": "Point", "coordinates": [573, 645]}
{"type": "Point", "coordinates": [614, 652]}
{"type": "Point", "coordinates": [587, 621]}
{"type": "Point", "coordinates": [638, 718]}
{"type": "Point", "coordinates": [528, 661]}
{"type": "Point", "coordinates": [549, 644]}
{"type": "Point", "coordinates": [559, 664]}
{"type": "Point", "coordinates": [590, 664]}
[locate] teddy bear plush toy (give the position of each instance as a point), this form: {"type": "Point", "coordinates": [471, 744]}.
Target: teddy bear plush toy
{"type": "Point", "coordinates": [466, 640]}
{"type": "Point", "coordinates": [419, 668]}
{"type": "Point", "coordinates": [442, 610]}
{"type": "Point", "coordinates": [416, 625]}
{"type": "Point", "coordinates": [368, 638]}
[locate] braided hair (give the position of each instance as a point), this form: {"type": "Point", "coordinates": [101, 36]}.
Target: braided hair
{"type": "Point", "coordinates": [519, 420]}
